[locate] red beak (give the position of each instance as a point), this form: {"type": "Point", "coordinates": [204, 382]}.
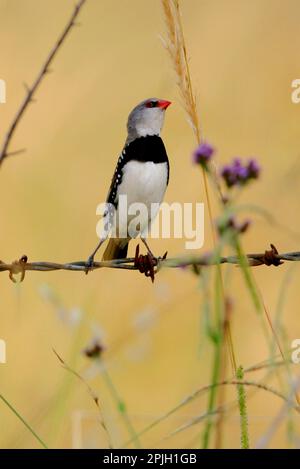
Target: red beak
{"type": "Point", "coordinates": [163, 104]}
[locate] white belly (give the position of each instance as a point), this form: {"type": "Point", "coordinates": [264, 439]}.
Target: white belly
{"type": "Point", "coordinates": [144, 183]}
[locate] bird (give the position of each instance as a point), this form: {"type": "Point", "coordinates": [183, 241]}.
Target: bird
{"type": "Point", "coordinates": [141, 174]}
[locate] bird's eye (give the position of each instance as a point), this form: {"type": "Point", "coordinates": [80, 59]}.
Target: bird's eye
{"type": "Point", "coordinates": [151, 104]}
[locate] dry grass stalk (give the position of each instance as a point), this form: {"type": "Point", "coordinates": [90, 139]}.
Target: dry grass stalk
{"type": "Point", "coordinates": [175, 45]}
{"type": "Point", "coordinates": [176, 48]}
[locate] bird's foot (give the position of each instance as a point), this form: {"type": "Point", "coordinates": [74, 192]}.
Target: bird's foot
{"type": "Point", "coordinates": [146, 264]}
{"type": "Point", "coordinates": [89, 264]}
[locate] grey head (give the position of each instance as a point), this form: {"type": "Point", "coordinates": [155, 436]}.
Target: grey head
{"type": "Point", "coordinates": [146, 118]}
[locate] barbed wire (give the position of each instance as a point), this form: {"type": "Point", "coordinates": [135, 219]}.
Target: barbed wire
{"type": "Point", "coordinates": [147, 265]}
{"type": "Point", "coordinates": [31, 90]}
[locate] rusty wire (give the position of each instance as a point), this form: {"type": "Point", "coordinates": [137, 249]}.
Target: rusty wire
{"type": "Point", "coordinates": [139, 262]}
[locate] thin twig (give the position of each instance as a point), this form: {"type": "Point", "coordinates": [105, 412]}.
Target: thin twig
{"type": "Point", "coordinates": [31, 90]}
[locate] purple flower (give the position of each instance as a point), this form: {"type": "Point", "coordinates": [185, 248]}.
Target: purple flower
{"type": "Point", "coordinates": [94, 350]}
{"type": "Point", "coordinates": [202, 155]}
{"type": "Point", "coordinates": [229, 176]}
{"type": "Point", "coordinates": [230, 224]}
{"type": "Point", "coordinates": [243, 227]}
{"type": "Point", "coordinates": [253, 169]}
{"type": "Point", "coordinates": [239, 174]}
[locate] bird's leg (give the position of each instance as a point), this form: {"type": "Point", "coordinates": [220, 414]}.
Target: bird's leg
{"type": "Point", "coordinates": [150, 253]}
{"type": "Point", "coordinates": [103, 237]}
{"type": "Point", "coordinates": [90, 261]}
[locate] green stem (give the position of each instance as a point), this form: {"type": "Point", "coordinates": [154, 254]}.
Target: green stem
{"type": "Point", "coordinates": [251, 287]}
{"type": "Point", "coordinates": [212, 395]}
{"type": "Point", "coordinates": [218, 340]}
{"type": "Point", "coordinates": [242, 401]}
{"type": "Point", "coordinates": [23, 421]}
{"type": "Point", "coordinates": [121, 407]}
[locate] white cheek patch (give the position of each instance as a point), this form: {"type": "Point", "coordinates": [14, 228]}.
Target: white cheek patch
{"type": "Point", "coordinates": [150, 122]}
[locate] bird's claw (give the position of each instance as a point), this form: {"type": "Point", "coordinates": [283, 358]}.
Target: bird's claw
{"type": "Point", "coordinates": [146, 263]}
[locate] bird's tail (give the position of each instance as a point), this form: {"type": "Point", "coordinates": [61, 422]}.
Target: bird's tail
{"type": "Point", "coordinates": [116, 249]}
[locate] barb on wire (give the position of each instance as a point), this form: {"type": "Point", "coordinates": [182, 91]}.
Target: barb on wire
{"type": "Point", "coordinates": [31, 90]}
{"type": "Point", "coordinates": [269, 257]}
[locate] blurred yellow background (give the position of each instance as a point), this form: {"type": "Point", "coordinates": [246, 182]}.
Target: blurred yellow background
{"type": "Point", "coordinates": [243, 56]}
